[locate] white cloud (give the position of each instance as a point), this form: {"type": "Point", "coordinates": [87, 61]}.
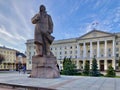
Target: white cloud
{"type": "Point", "coordinates": [21, 16]}
{"type": "Point", "coordinates": [75, 6]}
{"type": "Point", "coordinates": [6, 33]}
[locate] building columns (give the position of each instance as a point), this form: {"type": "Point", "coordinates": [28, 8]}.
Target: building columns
{"type": "Point", "coordinates": [78, 50]}
{"type": "Point", "coordinates": [105, 52]}
{"type": "Point", "coordinates": [98, 62]}
{"type": "Point", "coordinates": [84, 50]}
{"type": "Point", "coordinates": [78, 55]}
{"type": "Point", "coordinates": [105, 64]}
{"type": "Point", "coordinates": [113, 47]}
{"type": "Point", "coordinates": [84, 63]}
{"type": "Point", "coordinates": [98, 49]}
{"type": "Point", "coordinates": [91, 51]}
{"type": "Point", "coordinates": [90, 63]}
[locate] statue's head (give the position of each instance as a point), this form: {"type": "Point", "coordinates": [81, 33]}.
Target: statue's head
{"type": "Point", "coordinates": [42, 8]}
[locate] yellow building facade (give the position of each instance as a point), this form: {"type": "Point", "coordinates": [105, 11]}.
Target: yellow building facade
{"type": "Point", "coordinates": [10, 58]}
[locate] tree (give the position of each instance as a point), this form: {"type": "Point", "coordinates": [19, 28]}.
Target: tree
{"type": "Point", "coordinates": [110, 72]}
{"type": "Point", "coordinates": [68, 67]}
{"type": "Point", "coordinates": [94, 70]}
{"type": "Point", "coordinates": [86, 70]}
{"type": "Point", "coordinates": [1, 58]}
{"type": "Point", "coordinates": [119, 62]}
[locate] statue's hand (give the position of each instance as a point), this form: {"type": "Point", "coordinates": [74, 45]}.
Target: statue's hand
{"type": "Point", "coordinates": [49, 31]}
{"type": "Point", "coordinates": [35, 19]}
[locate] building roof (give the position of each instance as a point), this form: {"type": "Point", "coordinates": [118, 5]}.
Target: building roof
{"type": "Point", "coordinates": [4, 47]}
{"type": "Point", "coordinates": [64, 41]}
{"type": "Point", "coordinates": [96, 31]}
{"type": "Point", "coordinates": [77, 38]}
{"type": "Point", "coordinates": [19, 53]}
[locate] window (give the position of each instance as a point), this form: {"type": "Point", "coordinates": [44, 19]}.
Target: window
{"type": "Point", "coordinates": [94, 55]}
{"type": "Point", "coordinates": [29, 53]}
{"type": "Point", "coordinates": [117, 55]}
{"type": "Point", "coordinates": [29, 62]}
{"type": "Point", "coordinates": [60, 57]}
{"type": "Point", "coordinates": [94, 50]}
{"type": "Point", "coordinates": [102, 50]}
{"type": "Point", "coordinates": [76, 52]}
{"type": "Point", "coordinates": [65, 52]}
{"type": "Point", "coordinates": [55, 53]}
{"type": "Point", "coordinates": [109, 49]}
{"type": "Point", "coordinates": [51, 48]}
{"type": "Point", "coordinates": [88, 51]}
{"type": "Point", "coordinates": [116, 43]}
{"type": "Point", "coordinates": [82, 51]}
{"type": "Point", "coordinates": [71, 47]}
{"type": "Point", "coordinates": [4, 66]}
{"type": "Point", "coordinates": [75, 56]}
{"type": "Point", "coordinates": [60, 48]}
{"type": "Point", "coordinates": [109, 55]}
{"type": "Point", "coordinates": [70, 52]}
{"type": "Point", "coordinates": [55, 48]}
{"type": "Point", "coordinates": [29, 47]}
{"type": "Point", "coordinates": [61, 62]}
{"type": "Point", "coordinates": [101, 55]}
{"type": "Point", "coordinates": [117, 49]}
{"type": "Point", "coordinates": [65, 47]}
{"type": "Point", "coordinates": [60, 53]}
{"type": "Point", "coordinates": [75, 46]}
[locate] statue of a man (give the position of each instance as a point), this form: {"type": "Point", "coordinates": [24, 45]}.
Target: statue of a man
{"type": "Point", "coordinates": [43, 30]}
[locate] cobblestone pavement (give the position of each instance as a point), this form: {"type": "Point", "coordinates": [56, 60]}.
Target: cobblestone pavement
{"type": "Point", "coordinates": [63, 83]}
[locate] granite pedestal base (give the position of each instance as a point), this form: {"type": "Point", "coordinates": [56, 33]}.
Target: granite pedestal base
{"type": "Point", "coordinates": [44, 67]}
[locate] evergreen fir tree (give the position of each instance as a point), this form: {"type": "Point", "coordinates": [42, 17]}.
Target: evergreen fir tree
{"type": "Point", "coordinates": [94, 70]}
{"type": "Point", "coordinates": [110, 72]}
{"type": "Point", "coordinates": [119, 63]}
{"type": "Point", "coordinates": [86, 69]}
{"type": "Point", "coordinates": [68, 67]}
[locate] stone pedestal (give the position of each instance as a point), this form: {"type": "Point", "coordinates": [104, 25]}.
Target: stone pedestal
{"type": "Point", "coordinates": [44, 67]}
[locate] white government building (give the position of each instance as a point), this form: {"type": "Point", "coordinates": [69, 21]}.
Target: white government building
{"type": "Point", "coordinates": [104, 46]}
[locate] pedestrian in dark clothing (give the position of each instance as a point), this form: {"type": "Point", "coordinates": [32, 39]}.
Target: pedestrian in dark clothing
{"type": "Point", "coordinates": [24, 69]}
{"type": "Point", "coordinates": [19, 67]}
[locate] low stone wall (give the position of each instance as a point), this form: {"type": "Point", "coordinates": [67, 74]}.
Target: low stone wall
{"type": "Point", "coordinates": [4, 86]}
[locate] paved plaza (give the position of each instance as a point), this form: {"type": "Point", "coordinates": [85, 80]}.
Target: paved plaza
{"type": "Point", "coordinates": [63, 83]}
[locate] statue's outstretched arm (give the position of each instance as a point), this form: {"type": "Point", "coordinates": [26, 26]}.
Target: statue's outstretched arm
{"type": "Point", "coordinates": [35, 19]}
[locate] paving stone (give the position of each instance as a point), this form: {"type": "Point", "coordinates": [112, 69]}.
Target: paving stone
{"type": "Point", "coordinates": [63, 83]}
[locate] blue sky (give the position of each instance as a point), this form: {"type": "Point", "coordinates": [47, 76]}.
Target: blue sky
{"type": "Point", "coordinates": [72, 18]}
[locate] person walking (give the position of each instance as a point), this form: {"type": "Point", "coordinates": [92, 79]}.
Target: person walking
{"type": "Point", "coordinates": [24, 69]}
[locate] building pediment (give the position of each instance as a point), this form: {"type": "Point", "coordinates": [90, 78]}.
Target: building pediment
{"type": "Point", "coordinates": [95, 34]}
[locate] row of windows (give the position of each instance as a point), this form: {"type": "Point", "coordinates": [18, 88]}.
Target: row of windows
{"type": "Point", "coordinates": [4, 66]}
{"type": "Point", "coordinates": [95, 51]}
{"type": "Point", "coordinates": [67, 52]}
{"type": "Point", "coordinates": [60, 57]}
{"type": "Point", "coordinates": [7, 52]}
{"type": "Point", "coordinates": [71, 47]}
{"type": "Point", "coordinates": [109, 55]}
{"type": "Point", "coordinates": [109, 49]}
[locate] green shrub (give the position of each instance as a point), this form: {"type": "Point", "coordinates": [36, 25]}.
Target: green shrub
{"type": "Point", "coordinates": [94, 71]}
{"type": "Point", "coordinates": [68, 67]}
{"type": "Point", "coordinates": [86, 70]}
{"type": "Point", "coordinates": [110, 72]}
